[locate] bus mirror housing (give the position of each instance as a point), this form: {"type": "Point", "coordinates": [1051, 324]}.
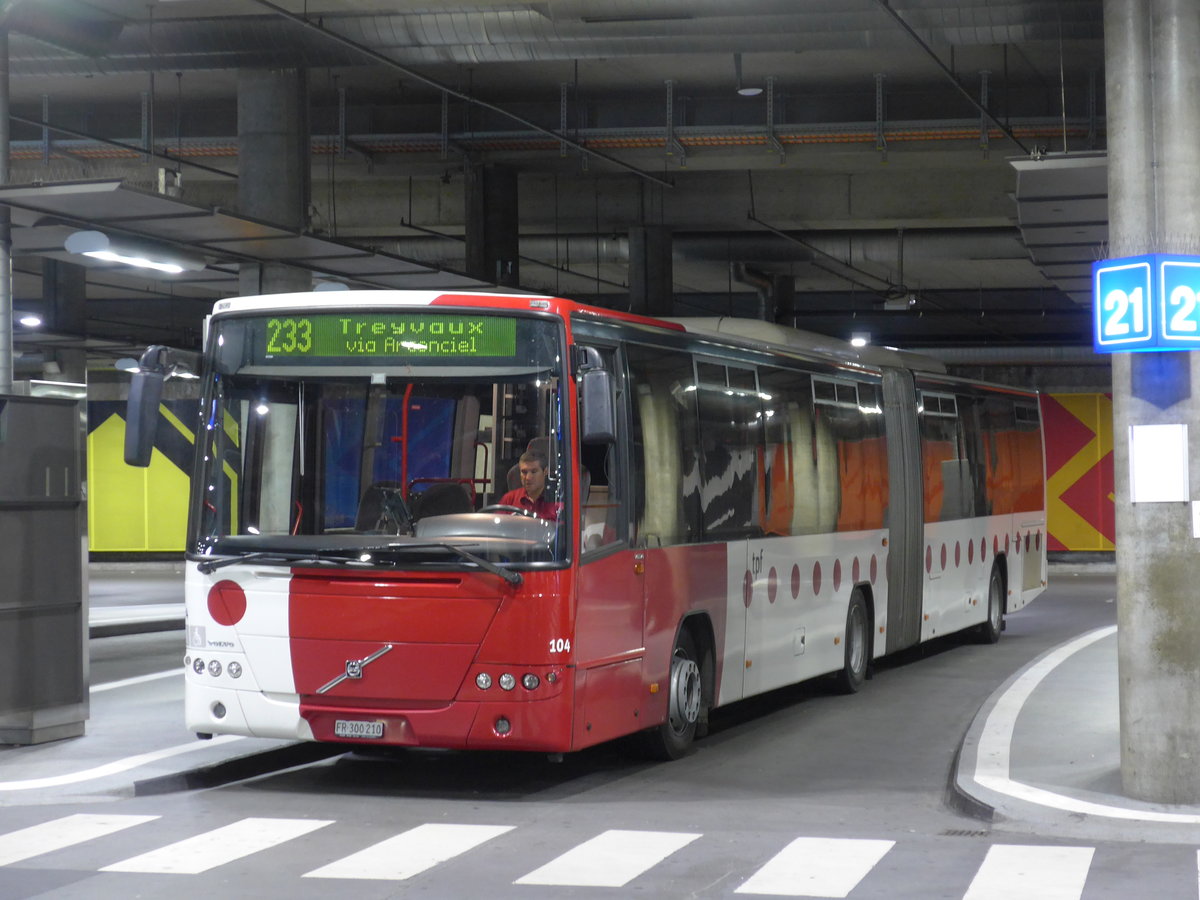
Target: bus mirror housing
{"type": "Point", "coordinates": [145, 394]}
{"type": "Point", "coordinates": [141, 416]}
{"type": "Point", "coordinates": [597, 410]}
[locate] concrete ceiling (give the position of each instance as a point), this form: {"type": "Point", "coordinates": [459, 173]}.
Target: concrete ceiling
{"type": "Point", "coordinates": [864, 173]}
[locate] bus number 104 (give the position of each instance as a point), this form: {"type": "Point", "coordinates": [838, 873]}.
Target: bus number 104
{"type": "Point", "coordinates": [560, 645]}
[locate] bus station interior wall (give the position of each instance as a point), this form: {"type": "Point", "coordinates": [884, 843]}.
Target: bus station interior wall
{"type": "Point", "coordinates": [144, 511]}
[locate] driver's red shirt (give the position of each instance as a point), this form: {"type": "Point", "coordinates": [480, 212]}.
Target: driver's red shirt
{"type": "Point", "coordinates": [542, 507]}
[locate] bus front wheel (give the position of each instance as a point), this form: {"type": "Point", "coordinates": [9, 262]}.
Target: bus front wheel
{"type": "Point", "coordinates": [674, 737]}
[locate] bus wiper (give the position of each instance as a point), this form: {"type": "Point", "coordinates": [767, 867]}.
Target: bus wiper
{"type": "Point", "coordinates": [311, 556]}
{"type": "Point", "coordinates": [513, 578]}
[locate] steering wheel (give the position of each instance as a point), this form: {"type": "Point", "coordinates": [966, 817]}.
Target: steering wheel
{"type": "Point", "coordinates": [504, 507]}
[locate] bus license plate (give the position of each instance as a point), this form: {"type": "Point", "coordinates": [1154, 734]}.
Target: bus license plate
{"type": "Point", "coordinates": [353, 728]}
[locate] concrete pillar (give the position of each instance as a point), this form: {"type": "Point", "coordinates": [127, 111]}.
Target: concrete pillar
{"type": "Point", "coordinates": [651, 285]}
{"type": "Point", "coordinates": [64, 295]}
{"type": "Point", "coordinates": [274, 180]}
{"type": "Point", "coordinates": [1153, 111]}
{"type": "Point", "coordinates": [6, 280]}
{"type": "Point", "coordinates": [493, 226]}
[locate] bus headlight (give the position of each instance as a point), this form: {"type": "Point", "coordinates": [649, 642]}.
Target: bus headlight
{"type": "Point", "coordinates": [483, 681]}
{"type": "Point", "coordinates": [507, 682]}
{"type": "Point", "coordinates": [529, 681]}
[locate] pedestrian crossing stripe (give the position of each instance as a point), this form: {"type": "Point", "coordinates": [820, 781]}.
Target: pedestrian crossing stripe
{"type": "Point", "coordinates": [806, 867]}
{"type": "Point", "coordinates": [612, 859]}
{"type": "Point", "coordinates": [215, 848]}
{"type": "Point", "coordinates": [410, 853]}
{"type": "Point", "coordinates": [817, 867]}
{"type": "Point", "coordinates": [62, 833]}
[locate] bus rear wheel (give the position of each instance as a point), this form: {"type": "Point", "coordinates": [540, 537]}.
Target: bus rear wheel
{"type": "Point", "coordinates": [673, 738]}
{"type": "Point", "coordinates": [858, 643]}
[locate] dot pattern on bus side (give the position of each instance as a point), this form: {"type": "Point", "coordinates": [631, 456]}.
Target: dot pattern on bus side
{"type": "Point", "coordinates": [772, 584]}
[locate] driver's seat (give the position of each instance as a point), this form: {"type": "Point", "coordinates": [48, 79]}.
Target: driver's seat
{"type": "Point", "coordinates": [381, 502]}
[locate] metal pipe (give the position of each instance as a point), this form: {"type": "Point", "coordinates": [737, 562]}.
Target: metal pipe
{"type": "Point", "coordinates": [883, 4]}
{"type": "Point", "coordinates": [461, 95]}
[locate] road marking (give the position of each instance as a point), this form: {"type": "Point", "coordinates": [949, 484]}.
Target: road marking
{"type": "Point", "coordinates": [611, 859]}
{"type": "Point", "coordinates": [137, 679]}
{"type": "Point", "coordinates": [817, 867]}
{"type": "Point", "coordinates": [1031, 873]}
{"type": "Point", "coordinates": [117, 766]}
{"type": "Point", "coordinates": [410, 853]}
{"type": "Point", "coordinates": [218, 847]}
{"type": "Point", "coordinates": [65, 832]}
{"type": "Point", "coordinates": [993, 752]}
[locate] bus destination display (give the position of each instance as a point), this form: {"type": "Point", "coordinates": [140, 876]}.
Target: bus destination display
{"type": "Point", "coordinates": [374, 335]}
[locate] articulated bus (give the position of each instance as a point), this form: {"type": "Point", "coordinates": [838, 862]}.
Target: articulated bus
{"type": "Point", "coordinates": [737, 506]}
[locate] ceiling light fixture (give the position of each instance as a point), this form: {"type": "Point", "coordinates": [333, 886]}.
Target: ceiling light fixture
{"type": "Point", "coordinates": [30, 320]}
{"type": "Point", "coordinates": [140, 254]}
{"type": "Point", "coordinates": [737, 69]}
{"type": "Point", "coordinates": [860, 339]}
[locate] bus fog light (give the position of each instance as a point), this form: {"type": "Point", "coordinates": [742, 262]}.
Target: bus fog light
{"type": "Point", "coordinates": [507, 682]}
{"type": "Point", "coordinates": [529, 681]}
{"type": "Point", "coordinates": [483, 681]}
{"type": "Point", "coordinates": [234, 669]}
{"type": "Point", "coordinates": [502, 726]}
{"type": "Point", "coordinates": [218, 710]}
{"type": "Point", "coordinates": [214, 668]}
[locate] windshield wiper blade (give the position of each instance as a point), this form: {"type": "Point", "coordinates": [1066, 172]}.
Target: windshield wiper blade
{"type": "Point", "coordinates": [313, 556]}
{"type": "Point", "coordinates": [513, 578]}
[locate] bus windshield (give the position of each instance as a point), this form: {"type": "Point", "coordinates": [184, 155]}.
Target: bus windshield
{"type": "Point", "coordinates": [327, 442]}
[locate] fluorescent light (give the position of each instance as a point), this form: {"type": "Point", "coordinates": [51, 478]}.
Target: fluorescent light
{"type": "Point", "coordinates": [127, 364]}
{"type": "Point", "coordinates": [860, 339]}
{"type": "Point", "coordinates": [130, 252]}
{"type": "Point", "coordinates": [29, 320]}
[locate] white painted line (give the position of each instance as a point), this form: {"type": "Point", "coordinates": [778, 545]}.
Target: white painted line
{"type": "Point", "coordinates": [137, 679]}
{"type": "Point", "coordinates": [817, 867]}
{"type": "Point", "coordinates": [611, 859]}
{"type": "Point", "coordinates": [117, 766]}
{"type": "Point", "coordinates": [65, 832]}
{"type": "Point", "coordinates": [993, 754]}
{"type": "Point", "coordinates": [218, 847]}
{"type": "Point", "coordinates": [410, 853]}
{"type": "Point", "coordinates": [1031, 873]}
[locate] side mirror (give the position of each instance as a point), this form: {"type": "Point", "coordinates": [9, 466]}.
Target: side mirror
{"type": "Point", "coordinates": [141, 416]}
{"type": "Point", "coordinates": [598, 413]}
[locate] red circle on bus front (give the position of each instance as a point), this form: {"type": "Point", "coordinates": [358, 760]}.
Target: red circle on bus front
{"type": "Point", "coordinates": [957, 554]}
{"type": "Point", "coordinates": [857, 570]}
{"type": "Point", "coordinates": [874, 568]}
{"type": "Point", "coordinates": [226, 602]}
{"type": "Point", "coordinates": [943, 557]}
{"type": "Point", "coordinates": [747, 588]}
{"type": "Point", "coordinates": [795, 581]}
{"type": "Point", "coordinates": [772, 584]}
{"type": "Point", "coordinates": [816, 578]}
{"type": "Point", "coordinates": [837, 575]}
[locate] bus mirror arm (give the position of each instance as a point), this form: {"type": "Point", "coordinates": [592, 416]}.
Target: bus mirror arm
{"type": "Point", "coordinates": [145, 395]}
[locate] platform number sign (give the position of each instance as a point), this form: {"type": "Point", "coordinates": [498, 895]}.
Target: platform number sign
{"type": "Point", "coordinates": [1147, 302]}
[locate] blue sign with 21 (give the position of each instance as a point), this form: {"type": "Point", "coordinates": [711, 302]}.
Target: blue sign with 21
{"type": "Point", "coordinates": [1149, 302]}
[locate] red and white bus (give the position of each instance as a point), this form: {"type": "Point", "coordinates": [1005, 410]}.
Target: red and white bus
{"type": "Point", "coordinates": [740, 506]}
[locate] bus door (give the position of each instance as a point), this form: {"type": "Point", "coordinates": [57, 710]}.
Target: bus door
{"type": "Point", "coordinates": [905, 510]}
{"type": "Point", "coordinates": [610, 587]}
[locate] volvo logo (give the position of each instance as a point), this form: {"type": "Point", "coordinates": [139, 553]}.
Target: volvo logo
{"type": "Point", "coordinates": [354, 669]}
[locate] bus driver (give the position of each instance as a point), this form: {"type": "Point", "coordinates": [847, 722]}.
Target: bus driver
{"type": "Point", "coordinates": [531, 495]}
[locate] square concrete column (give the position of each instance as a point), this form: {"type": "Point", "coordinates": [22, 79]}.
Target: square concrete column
{"type": "Point", "coordinates": [274, 178]}
{"type": "Point", "coordinates": [493, 225]}
{"type": "Point", "coordinates": [651, 286]}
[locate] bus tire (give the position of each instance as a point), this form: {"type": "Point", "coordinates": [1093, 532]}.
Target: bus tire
{"type": "Point", "coordinates": [857, 655]}
{"type": "Point", "coordinates": [989, 631]}
{"type": "Point", "coordinates": [673, 738]}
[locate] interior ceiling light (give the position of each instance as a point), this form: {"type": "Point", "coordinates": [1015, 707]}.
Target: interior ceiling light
{"type": "Point", "coordinates": [860, 339]}
{"type": "Point", "coordinates": [737, 69]}
{"type": "Point", "coordinates": [30, 320]}
{"type": "Point", "coordinates": [141, 254]}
